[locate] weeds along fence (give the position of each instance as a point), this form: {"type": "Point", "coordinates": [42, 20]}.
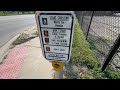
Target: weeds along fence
{"type": "Point", "coordinates": [102, 29]}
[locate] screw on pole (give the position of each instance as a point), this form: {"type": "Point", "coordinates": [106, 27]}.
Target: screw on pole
{"type": "Point", "coordinates": [56, 65]}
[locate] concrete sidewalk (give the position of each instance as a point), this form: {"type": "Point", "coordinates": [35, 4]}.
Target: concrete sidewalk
{"type": "Point", "coordinates": [24, 60]}
{"type": "Point", "coordinates": [35, 66]}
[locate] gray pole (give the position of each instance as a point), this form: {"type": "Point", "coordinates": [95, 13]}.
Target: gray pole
{"type": "Point", "coordinates": [59, 74]}
{"type": "Point", "coordinates": [89, 25]}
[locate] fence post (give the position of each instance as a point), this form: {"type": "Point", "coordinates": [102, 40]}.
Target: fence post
{"type": "Point", "coordinates": [111, 53]}
{"type": "Point", "coordinates": [82, 20]}
{"type": "Point", "coordinates": [89, 25]}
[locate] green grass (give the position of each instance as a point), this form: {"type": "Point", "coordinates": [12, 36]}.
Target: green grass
{"type": "Point", "coordinates": [85, 60]}
{"type": "Point", "coordinates": [80, 49]}
{"type": "Point", "coordinates": [7, 13]}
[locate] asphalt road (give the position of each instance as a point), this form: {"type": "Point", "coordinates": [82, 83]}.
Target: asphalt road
{"type": "Point", "coordinates": [13, 25]}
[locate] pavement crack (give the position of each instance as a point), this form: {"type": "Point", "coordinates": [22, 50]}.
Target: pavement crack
{"type": "Point", "coordinates": [33, 46]}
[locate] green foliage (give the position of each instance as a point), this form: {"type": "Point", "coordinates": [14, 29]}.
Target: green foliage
{"type": "Point", "coordinates": [83, 55]}
{"type": "Point", "coordinates": [6, 13]}
{"type": "Point", "coordinates": [80, 49]}
{"type": "Point", "coordinates": [112, 74]}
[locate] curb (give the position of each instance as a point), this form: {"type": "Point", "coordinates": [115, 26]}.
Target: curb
{"type": "Point", "coordinates": [4, 49]}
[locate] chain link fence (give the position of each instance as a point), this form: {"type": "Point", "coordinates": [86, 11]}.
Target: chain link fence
{"type": "Point", "coordinates": [101, 29]}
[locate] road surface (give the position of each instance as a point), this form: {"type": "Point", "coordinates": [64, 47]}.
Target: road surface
{"type": "Point", "coordinates": [13, 25]}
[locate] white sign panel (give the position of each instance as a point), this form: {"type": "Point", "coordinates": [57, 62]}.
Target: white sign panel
{"type": "Point", "coordinates": [56, 49]}
{"type": "Point", "coordinates": [56, 21]}
{"type": "Point", "coordinates": [56, 32]}
{"type": "Point", "coordinates": [55, 56]}
{"type": "Point", "coordinates": [56, 36]}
